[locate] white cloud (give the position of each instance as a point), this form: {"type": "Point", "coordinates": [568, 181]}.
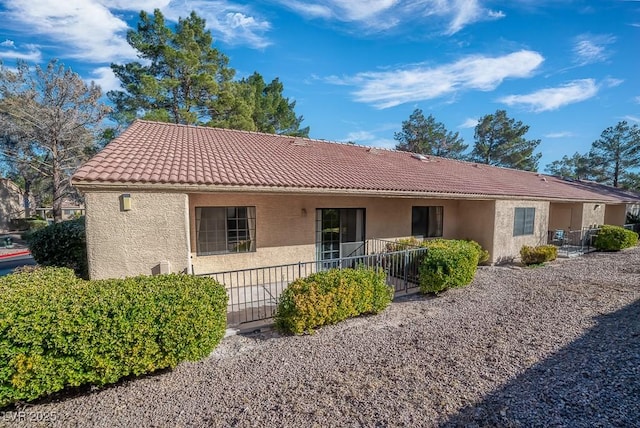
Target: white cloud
{"type": "Point", "coordinates": [637, 99]}
{"type": "Point", "coordinates": [90, 29]}
{"type": "Point", "coordinates": [630, 118]}
{"type": "Point", "coordinates": [232, 23]}
{"type": "Point", "coordinates": [589, 49]}
{"type": "Point", "coordinates": [467, 12]}
{"type": "Point", "coordinates": [561, 134]}
{"type": "Point", "coordinates": [359, 136]}
{"type": "Point", "coordinates": [380, 15]}
{"type": "Point", "coordinates": [469, 123]}
{"type": "Point", "coordinates": [31, 53]}
{"type": "Point", "coordinates": [554, 98]}
{"type": "Point", "coordinates": [104, 77]}
{"type": "Point", "coordinates": [385, 143]}
{"type": "Point", "coordinates": [8, 43]}
{"type": "Point", "coordinates": [390, 88]}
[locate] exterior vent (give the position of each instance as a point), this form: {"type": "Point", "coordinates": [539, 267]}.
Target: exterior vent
{"type": "Point", "coordinates": [373, 151]}
{"type": "Point", "coordinates": [298, 142]}
{"type": "Point", "coordinates": [544, 179]}
{"type": "Point", "coordinates": [419, 156]}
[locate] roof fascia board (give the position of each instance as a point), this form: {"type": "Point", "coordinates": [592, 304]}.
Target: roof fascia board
{"type": "Point", "coordinates": [191, 188]}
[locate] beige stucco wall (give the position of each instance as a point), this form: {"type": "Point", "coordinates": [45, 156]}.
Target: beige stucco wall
{"type": "Point", "coordinates": [592, 214]}
{"type": "Point", "coordinates": [615, 214]}
{"type": "Point", "coordinates": [506, 247]}
{"type": "Point", "coordinates": [286, 228]}
{"type": "Point", "coordinates": [475, 221]}
{"type": "Point", "coordinates": [126, 243]}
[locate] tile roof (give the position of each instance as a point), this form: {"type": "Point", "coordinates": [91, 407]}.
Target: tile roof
{"type": "Point", "coordinates": [152, 153]}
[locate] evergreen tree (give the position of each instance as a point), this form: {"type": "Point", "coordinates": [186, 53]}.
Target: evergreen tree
{"type": "Point", "coordinates": [185, 80]}
{"type": "Point", "coordinates": [578, 167]}
{"type": "Point", "coordinates": [616, 153]}
{"type": "Point", "coordinates": [500, 141]}
{"type": "Point", "coordinates": [428, 137]}
{"type": "Point", "coordinates": [272, 112]}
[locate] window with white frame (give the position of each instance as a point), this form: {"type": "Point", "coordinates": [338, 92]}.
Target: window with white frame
{"type": "Point", "coordinates": [524, 220]}
{"type": "Point", "coordinates": [225, 230]}
{"type": "Point", "coordinates": [426, 222]}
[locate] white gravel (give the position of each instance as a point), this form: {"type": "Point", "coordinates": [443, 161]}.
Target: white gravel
{"type": "Point", "coordinates": [552, 346]}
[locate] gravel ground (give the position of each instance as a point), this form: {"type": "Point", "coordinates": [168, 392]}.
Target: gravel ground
{"type": "Point", "coordinates": [554, 346]}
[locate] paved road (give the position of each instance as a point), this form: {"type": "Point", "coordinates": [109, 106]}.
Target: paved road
{"type": "Point", "coordinates": [7, 265]}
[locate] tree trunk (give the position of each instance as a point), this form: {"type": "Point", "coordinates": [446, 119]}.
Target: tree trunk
{"type": "Point", "coordinates": [26, 195]}
{"type": "Point", "coordinates": [57, 189]}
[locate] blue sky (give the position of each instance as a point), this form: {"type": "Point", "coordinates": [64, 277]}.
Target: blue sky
{"type": "Point", "coordinates": [357, 69]}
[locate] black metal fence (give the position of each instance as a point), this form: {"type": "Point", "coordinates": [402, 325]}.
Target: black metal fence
{"type": "Point", "coordinates": [573, 242]}
{"type": "Point", "coordinates": [254, 293]}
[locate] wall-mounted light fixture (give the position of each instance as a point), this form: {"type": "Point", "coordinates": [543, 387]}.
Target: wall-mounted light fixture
{"type": "Point", "coordinates": [125, 202]}
{"type": "Point", "coordinates": [596, 206]}
{"type": "Point", "coordinates": [303, 212]}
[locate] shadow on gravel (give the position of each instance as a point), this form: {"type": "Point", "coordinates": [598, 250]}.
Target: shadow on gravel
{"type": "Point", "coordinates": [592, 382]}
{"type": "Point", "coordinates": [83, 390]}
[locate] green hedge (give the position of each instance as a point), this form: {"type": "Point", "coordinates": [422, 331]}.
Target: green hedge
{"type": "Point", "coordinates": [448, 264]}
{"type": "Point", "coordinates": [331, 296]}
{"type": "Point", "coordinates": [57, 330]}
{"type": "Point", "coordinates": [538, 255]}
{"type": "Point", "coordinates": [615, 238]}
{"type": "Point", "coordinates": [61, 244]}
{"type": "Point", "coordinates": [409, 243]}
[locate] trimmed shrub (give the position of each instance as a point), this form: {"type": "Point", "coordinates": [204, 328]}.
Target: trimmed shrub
{"type": "Point", "coordinates": [331, 296]}
{"type": "Point", "coordinates": [538, 255]}
{"type": "Point", "coordinates": [58, 331]}
{"type": "Point", "coordinates": [404, 244]}
{"type": "Point", "coordinates": [483, 255]}
{"type": "Point", "coordinates": [448, 264]}
{"type": "Point", "coordinates": [61, 244]}
{"type": "Point", "coordinates": [615, 238]}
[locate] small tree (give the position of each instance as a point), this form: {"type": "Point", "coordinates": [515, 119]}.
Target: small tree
{"type": "Point", "coordinates": [49, 118]}
{"type": "Point", "coordinates": [578, 167]}
{"type": "Point", "coordinates": [616, 152]}
{"type": "Point", "coordinates": [500, 141]}
{"type": "Point", "coordinates": [428, 137]}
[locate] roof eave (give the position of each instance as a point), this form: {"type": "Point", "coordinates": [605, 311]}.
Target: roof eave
{"type": "Point", "coordinates": [208, 188]}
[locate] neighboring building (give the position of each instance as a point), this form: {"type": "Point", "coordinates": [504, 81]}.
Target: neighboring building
{"type": "Point", "coordinates": [11, 203]}
{"type": "Point", "coordinates": [70, 210]}
{"type": "Point", "coordinates": [164, 197]}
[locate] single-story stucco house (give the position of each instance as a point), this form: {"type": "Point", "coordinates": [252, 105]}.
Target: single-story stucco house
{"type": "Point", "coordinates": [172, 198]}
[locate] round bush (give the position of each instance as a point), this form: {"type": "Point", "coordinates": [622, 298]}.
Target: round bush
{"type": "Point", "coordinates": [615, 238]}
{"type": "Point", "coordinates": [57, 330]}
{"type": "Point", "coordinates": [448, 264]}
{"type": "Point", "coordinates": [538, 255]}
{"type": "Point", "coordinates": [61, 244]}
{"type": "Point", "coordinates": [331, 296]}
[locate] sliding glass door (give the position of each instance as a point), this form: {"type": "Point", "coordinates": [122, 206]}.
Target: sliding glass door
{"type": "Point", "coordinates": [340, 232]}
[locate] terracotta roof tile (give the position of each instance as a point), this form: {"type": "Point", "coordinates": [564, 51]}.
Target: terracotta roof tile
{"type": "Point", "coordinates": [162, 153]}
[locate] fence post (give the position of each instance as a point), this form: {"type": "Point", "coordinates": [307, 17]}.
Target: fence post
{"type": "Point", "coordinates": [406, 270]}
